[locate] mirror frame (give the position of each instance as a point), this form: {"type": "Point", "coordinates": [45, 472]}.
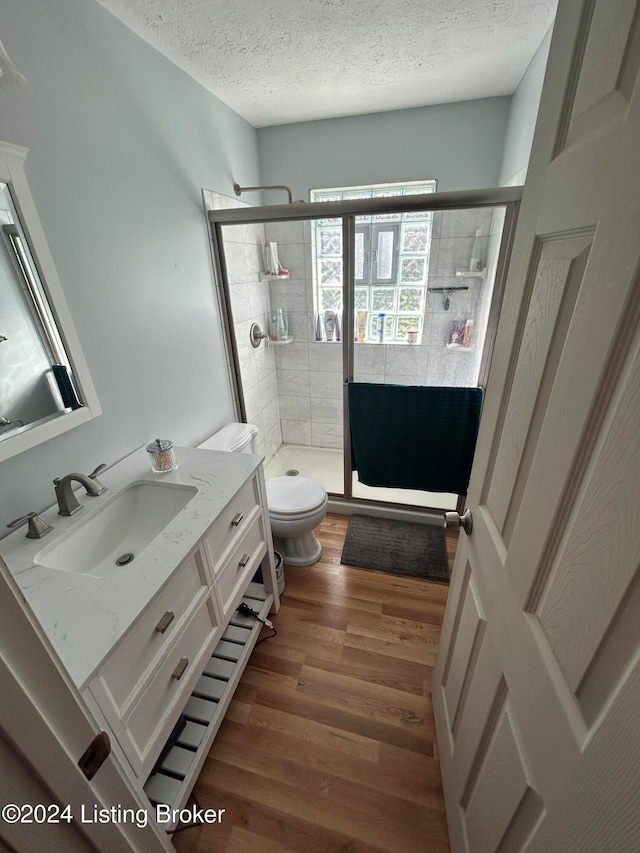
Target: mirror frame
{"type": "Point", "coordinates": [12, 161]}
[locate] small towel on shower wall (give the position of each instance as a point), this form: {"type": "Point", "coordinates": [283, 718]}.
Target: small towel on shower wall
{"type": "Point", "coordinates": [414, 437]}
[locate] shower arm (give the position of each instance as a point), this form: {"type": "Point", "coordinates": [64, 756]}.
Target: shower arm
{"type": "Point", "coordinates": [239, 190]}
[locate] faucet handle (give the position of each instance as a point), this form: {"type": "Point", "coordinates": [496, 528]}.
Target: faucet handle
{"type": "Point", "coordinates": [37, 526]}
{"type": "Point", "coordinates": [94, 476]}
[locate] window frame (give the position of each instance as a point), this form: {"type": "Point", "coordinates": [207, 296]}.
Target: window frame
{"type": "Point", "coordinates": [371, 227]}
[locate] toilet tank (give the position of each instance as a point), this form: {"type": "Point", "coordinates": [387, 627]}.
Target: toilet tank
{"type": "Point", "coordinates": [234, 438]}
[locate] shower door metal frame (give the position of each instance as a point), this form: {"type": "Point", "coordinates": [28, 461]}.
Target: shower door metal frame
{"type": "Point", "coordinates": [347, 211]}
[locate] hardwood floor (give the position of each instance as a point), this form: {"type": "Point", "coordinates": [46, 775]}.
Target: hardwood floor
{"type": "Point", "coordinates": [329, 743]}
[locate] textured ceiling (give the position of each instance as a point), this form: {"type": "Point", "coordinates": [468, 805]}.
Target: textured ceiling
{"type": "Point", "coordinates": [281, 61]}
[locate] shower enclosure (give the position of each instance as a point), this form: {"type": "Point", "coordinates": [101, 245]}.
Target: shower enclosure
{"type": "Point", "coordinates": [415, 282]}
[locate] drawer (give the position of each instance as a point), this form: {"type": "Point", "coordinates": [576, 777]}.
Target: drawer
{"type": "Point", "coordinates": [232, 523]}
{"type": "Point", "coordinates": [241, 565]}
{"type": "Point", "coordinates": [150, 721]}
{"type": "Point", "coordinates": [153, 632]}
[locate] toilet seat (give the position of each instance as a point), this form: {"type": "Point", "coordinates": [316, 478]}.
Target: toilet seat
{"type": "Point", "coordinates": [289, 496]}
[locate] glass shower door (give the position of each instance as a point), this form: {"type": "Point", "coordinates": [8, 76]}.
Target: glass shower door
{"type": "Point", "coordinates": [422, 298]}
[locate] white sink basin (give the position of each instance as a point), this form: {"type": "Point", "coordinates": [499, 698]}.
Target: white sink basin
{"type": "Point", "coordinates": [108, 541]}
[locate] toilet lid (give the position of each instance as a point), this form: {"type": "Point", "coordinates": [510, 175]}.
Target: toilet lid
{"type": "Point", "coordinates": [294, 494]}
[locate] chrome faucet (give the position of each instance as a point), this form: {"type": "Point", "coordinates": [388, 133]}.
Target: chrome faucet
{"type": "Point", "coordinates": [67, 501]}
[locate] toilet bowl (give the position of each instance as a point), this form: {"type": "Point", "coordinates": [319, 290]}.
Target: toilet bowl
{"type": "Point", "coordinates": [297, 505]}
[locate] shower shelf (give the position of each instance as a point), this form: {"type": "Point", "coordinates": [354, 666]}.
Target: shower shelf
{"type": "Point", "coordinates": [273, 343]}
{"type": "Point", "coordinates": [267, 276]}
{"type": "Point", "coordinates": [472, 273]}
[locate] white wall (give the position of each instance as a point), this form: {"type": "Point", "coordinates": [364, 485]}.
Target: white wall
{"type": "Point", "coordinates": [523, 113]}
{"type": "Point", "coordinates": [121, 143]}
{"type": "Point", "coordinates": [458, 144]}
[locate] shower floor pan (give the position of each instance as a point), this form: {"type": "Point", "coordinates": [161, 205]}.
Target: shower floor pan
{"type": "Point", "coordinates": [325, 465]}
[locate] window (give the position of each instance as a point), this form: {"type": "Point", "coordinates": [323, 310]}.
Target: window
{"type": "Point", "coordinates": [391, 260]}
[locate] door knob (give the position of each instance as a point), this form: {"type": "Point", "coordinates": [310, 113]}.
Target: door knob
{"type": "Point", "coordinates": [455, 521]}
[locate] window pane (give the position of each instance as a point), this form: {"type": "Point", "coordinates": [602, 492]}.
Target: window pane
{"type": "Point", "coordinates": [383, 299]}
{"type": "Point", "coordinates": [406, 323]}
{"type": "Point", "coordinates": [331, 272]}
{"type": "Point", "coordinates": [413, 269]}
{"type": "Point", "coordinates": [388, 328]}
{"type": "Point", "coordinates": [331, 241]}
{"type": "Point", "coordinates": [415, 238]}
{"type": "Point", "coordinates": [410, 299]}
{"type": "Point", "coordinates": [361, 299]}
{"type": "Point", "coordinates": [359, 273]}
{"type": "Point", "coordinates": [384, 256]}
{"type": "Point", "coordinates": [331, 297]}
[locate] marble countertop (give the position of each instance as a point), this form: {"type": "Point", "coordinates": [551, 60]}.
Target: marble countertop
{"type": "Point", "coordinates": [85, 616]}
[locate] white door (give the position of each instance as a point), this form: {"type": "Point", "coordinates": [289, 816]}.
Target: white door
{"type": "Point", "coordinates": [536, 691]}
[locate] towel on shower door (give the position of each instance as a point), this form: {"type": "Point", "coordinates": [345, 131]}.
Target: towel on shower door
{"type": "Point", "coordinates": [413, 437]}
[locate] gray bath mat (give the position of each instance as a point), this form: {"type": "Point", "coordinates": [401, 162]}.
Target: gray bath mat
{"type": "Point", "coordinates": [399, 547]}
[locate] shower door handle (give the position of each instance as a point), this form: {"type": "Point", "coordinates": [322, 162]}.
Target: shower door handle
{"type": "Point", "coordinates": [455, 521]}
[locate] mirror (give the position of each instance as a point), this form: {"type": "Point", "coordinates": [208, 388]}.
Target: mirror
{"type": "Point", "coordinates": [45, 387]}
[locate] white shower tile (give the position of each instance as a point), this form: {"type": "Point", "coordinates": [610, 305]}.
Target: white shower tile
{"type": "Point", "coordinates": [327, 435]}
{"type": "Point", "coordinates": [295, 408]}
{"type": "Point", "coordinates": [402, 379]}
{"type": "Point", "coordinates": [240, 307]}
{"type": "Point", "coordinates": [285, 232]}
{"type": "Point", "coordinates": [252, 403]}
{"type": "Point", "coordinates": [405, 360]}
{"type": "Point", "coordinates": [268, 390]}
{"type": "Point", "coordinates": [327, 385]}
{"type": "Point", "coordinates": [253, 257]}
{"type": "Point", "coordinates": [296, 432]}
{"type": "Point", "coordinates": [234, 260]}
{"type": "Point", "coordinates": [258, 299]}
{"type": "Point", "coordinates": [293, 356]}
{"type": "Point", "coordinates": [293, 383]}
{"type": "Point", "coordinates": [369, 358]}
{"type": "Point", "coordinates": [373, 378]}
{"type": "Point", "coordinates": [243, 342]}
{"type": "Point", "coordinates": [248, 372]}
{"type": "Point", "coordinates": [326, 411]}
{"type": "Point", "coordinates": [463, 223]}
{"type": "Point", "coordinates": [300, 326]}
{"type": "Point", "coordinates": [325, 357]}
{"type": "Point", "coordinates": [454, 253]}
{"type": "Point", "coordinates": [265, 362]}
{"type": "Point", "coordinates": [270, 416]}
{"type": "Point", "coordinates": [291, 257]}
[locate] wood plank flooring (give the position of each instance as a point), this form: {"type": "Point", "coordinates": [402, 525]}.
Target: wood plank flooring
{"type": "Point", "coordinates": [329, 743]}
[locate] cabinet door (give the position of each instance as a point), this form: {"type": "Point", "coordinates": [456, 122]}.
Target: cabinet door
{"type": "Point", "coordinates": [149, 723]}
{"type": "Point", "coordinates": [237, 572]}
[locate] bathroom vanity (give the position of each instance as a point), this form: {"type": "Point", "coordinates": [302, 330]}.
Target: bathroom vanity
{"type": "Point", "coordinates": [138, 594]}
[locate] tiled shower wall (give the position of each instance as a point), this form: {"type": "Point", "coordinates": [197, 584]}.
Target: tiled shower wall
{"type": "Point", "coordinates": [250, 303]}
{"type": "Point", "coordinates": [309, 373]}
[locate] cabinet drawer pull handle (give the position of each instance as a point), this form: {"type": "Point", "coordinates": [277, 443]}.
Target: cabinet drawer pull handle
{"type": "Point", "coordinates": [244, 560]}
{"type": "Point", "coordinates": [166, 620]}
{"type": "Point", "coordinates": [179, 671]}
{"type": "Point", "coordinates": [237, 518]}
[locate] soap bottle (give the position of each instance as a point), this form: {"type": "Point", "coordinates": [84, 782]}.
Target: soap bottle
{"type": "Point", "coordinates": [380, 328]}
{"type": "Point", "coordinates": [467, 335]}
{"type": "Point", "coordinates": [281, 326]}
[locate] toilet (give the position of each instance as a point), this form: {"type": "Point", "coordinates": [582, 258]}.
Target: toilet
{"type": "Point", "coordinates": [297, 505]}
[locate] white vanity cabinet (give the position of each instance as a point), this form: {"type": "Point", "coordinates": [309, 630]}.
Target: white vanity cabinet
{"type": "Point", "coordinates": [159, 641]}
{"type": "Point", "coordinates": [144, 684]}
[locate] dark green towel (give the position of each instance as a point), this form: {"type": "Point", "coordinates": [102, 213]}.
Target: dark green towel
{"type": "Point", "coordinates": [414, 437]}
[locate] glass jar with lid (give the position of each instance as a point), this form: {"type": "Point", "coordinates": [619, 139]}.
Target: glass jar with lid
{"type": "Point", "coordinates": [163, 457]}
